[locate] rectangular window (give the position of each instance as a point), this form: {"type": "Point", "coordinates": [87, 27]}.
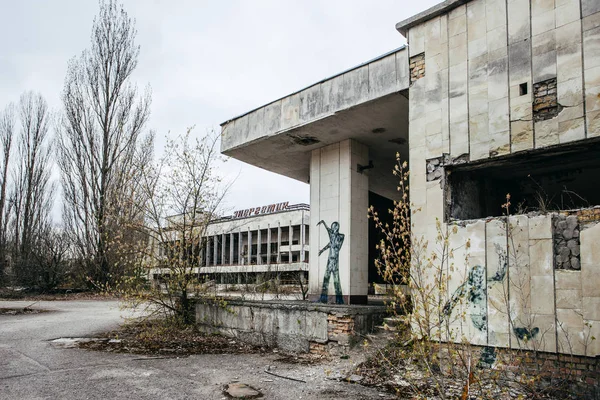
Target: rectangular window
{"type": "Point", "coordinates": [562, 178]}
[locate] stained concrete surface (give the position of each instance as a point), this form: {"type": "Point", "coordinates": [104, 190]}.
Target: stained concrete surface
{"type": "Point", "coordinates": [32, 368]}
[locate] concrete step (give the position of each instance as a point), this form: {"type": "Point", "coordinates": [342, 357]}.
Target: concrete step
{"type": "Point", "coordinates": [387, 328]}
{"type": "Point", "coordinates": [393, 321]}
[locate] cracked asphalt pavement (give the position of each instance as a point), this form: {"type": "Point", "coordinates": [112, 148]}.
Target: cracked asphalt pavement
{"type": "Point", "coordinates": [31, 367]}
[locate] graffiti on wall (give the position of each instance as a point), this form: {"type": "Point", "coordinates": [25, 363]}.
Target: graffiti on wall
{"type": "Point", "coordinates": [526, 333]}
{"type": "Point", "coordinates": [336, 239]}
{"type": "Point", "coordinates": [474, 291]}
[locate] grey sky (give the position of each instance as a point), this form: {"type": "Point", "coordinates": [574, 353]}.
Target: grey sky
{"type": "Point", "coordinates": [206, 61]}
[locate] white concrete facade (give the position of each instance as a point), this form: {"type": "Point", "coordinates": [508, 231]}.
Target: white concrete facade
{"type": "Point", "coordinates": [234, 241]}
{"type": "Point", "coordinates": [473, 105]}
{"type": "Point", "coordinates": [256, 244]}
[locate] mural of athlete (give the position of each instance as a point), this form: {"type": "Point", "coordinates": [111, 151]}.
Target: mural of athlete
{"type": "Point", "coordinates": [336, 239]}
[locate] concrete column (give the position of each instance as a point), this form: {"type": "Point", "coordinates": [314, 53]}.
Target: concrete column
{"type": "Point", "coordinates": [207, 251]}
{"type": "Point", "coordinates": [258, 245]}
{"type": "Point", "coordinates": [268, 244]}
{"type": "Point", "coordinates": [339, 194]}
{"type": "Point", "coordinates": [231, 242]}
{"type": "Point", "coordinates": [240, 261]}
{"type": "Point", "coordinates": [215, 249]}
{"type": "Point", "coordinates": [223, 242]}
{"type": "Point", "coordinates": [302, 242]}
{"type": "Point", "coordinates": [278, 242]}
{"type": "Point", "coordinates": [291, 236]}
{"type": "Point", "coordinates": [249, 247]}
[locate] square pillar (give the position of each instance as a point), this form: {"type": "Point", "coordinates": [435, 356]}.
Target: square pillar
{"type": "Point", "coordinates": [207, 252]}
{"type": "Point", "coordinates": [268, 244]}
{"type": "Point", "coordinates": [223, 240]}
{"type": "Point", "coordinates": [259, 244]}
{"type": "Point", "coordinates": [231, 242]}
{"type": "Point", "coordinates": [278, 242]}
{"type": "Point", "coordinates": [215, 249]}
{"type": "Point", "coordinates": [240, 242]}
{"type": "Point", "coordinates": [290, 241]}
{"type": "Point", "coordinates": [302, 242]}
{"type": "Point", "coordinates": [249, 247]}
{"type": "Point", "coordinates": [339, 196]}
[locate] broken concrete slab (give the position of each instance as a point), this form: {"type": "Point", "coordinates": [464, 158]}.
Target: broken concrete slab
{"type": "Point", "coordinates": [238, 390]}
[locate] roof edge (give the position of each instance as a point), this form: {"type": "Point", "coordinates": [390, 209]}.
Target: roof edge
{"type": "Point", "coordinates": [319, 82]}
{"type": "Point", "coordinates": [438, 9]}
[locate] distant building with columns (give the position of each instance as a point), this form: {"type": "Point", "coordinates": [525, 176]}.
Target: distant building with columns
{"type": "Point", "coordinates": [256, 244]}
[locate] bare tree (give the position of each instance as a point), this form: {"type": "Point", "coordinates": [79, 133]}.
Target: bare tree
{"type": "Point", "coordinates": [7, 128]}
{"type": "Point", "coordinates": [33, 191]}
{"type": "Point", "coordinates": [183, 195]}
{"type": "Point", "coordinates": [51, 258]}
{"type": "Point", "coordinates": [99, 134]}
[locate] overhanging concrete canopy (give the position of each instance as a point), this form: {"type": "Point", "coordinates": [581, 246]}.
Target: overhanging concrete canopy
{"type": "Point", "coordinates": [367, 103]}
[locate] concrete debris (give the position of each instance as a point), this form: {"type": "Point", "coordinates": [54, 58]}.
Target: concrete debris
{"type": "Point", "coordinates": [354, 378]}
{"type": "Point", "coordinates": [240, 390]}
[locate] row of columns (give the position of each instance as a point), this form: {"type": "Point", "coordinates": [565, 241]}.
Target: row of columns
{"type": "Point", "coordinates": [212, 241]}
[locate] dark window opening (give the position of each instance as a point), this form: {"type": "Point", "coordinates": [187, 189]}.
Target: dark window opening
{"type": "Point", "coordinates": [563, 178]}
{"type": "Point", "coordinates": [523, 89]}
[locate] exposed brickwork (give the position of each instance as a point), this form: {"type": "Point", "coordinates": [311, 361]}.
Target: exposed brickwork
{"type": "Point", "coordinates": [417, 67]}
{"type": "Point", "coordinates": [339, 330]}
{"type": "Point", "coordinates": [588, 215]}
{"type": "Point", "coordinates": [339, 325]}
{"type": "Point", "coordinates": [545, 101]}
{"type": "Point", "coordinates": [318, 348]}
{"type": "Point", "coordinates": [578, 376]}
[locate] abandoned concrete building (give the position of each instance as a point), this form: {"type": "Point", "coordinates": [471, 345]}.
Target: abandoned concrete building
{"type": "Point", "coordinates": [489, 97]}
{"type": "Point", "coordinates": [254, 245]}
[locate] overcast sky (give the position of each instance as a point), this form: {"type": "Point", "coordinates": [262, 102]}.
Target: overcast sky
{"type": "Point", "coordinates": [206, 61]}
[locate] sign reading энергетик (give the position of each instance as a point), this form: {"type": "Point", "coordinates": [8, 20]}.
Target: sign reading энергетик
{"type": "Point", "coordinates": [261, 210]}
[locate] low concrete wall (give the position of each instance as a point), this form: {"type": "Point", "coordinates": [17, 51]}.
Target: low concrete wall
{"type": "Point", "coordinates": [290, 325]}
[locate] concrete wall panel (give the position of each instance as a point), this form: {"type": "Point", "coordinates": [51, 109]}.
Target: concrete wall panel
{"type": "Point", "coordinates": [382, 77]}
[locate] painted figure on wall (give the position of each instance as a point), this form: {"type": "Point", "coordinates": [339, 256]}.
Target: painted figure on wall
{"type": "Point", "coordinates": [336, 239]}
{"type": "Point", "coordinates": [474, 291]}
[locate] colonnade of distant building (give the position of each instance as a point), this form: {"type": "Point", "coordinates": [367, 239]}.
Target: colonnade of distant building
{"type": "Point", "coordinates": [261, 246]}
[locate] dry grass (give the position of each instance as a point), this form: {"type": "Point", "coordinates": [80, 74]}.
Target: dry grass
{"type": "Point", "coordinates": [161, 337]}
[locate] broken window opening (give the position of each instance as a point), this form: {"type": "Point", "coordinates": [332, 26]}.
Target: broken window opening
{"type": "Point", "coordinates": [562, 178]}
{"type": "Point", "coordinates": [523, 89]}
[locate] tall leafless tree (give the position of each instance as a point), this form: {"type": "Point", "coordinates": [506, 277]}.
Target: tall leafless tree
{"type": "Point", "coordinates": [99, 136]}
{"type": "Point", "coordinates": [33, 191]}
{"type": "Point", "coordinates": [7, 128]}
